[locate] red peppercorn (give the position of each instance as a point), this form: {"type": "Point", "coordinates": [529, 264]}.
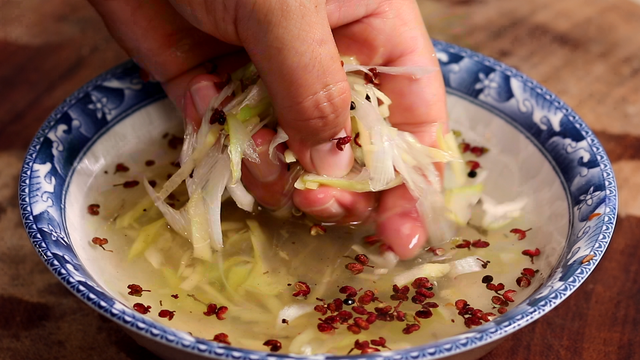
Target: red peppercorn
{"type": "Point", "coordinates": [175, 142]}
{"type": "Point", "coordinates": [523, 282]}
{"type": "Point", "coordinates": [421, 283]}
{"type": "Point", "coordinates": [380, 342]}
{"type": "Point", "coordinates": [221, 338]}
{"type": "Point", "coordinates": [410, 328]}
{"type": "Point", "coordinates": [367, 298]}
{"type": "Point", "coordinates": [136, 290]}
{"type": "Point", "coordinates": [141, 308]}
{"type": "Point", "coordinates": [341, 142]}
{"type": "Point", "coordinates": [93, 209]}
{"type": "Point", "coordinates": [354, 329]}
{"type": "Point", "coordinates": [168, 314]}
{"type": "Point", "coordinates": [320, 309]}
{"type": "Point", "coordinates": [120, 167]}
{"type": "Point", "coordinates": [349, 291]}
{"type": "Point", "coordinates": [497, 300]}
{"type": "Point", "coordinates": [369, 350]}
{"type": "Point", "coordinates": [383, 310]}
{"type": "Point", "coordinates": [418, 299]}
{"type": "Point", "coordinates": [273, 345]}
{"type": "Point", "coordinates": [520, 234]}
{"type": "Point", "coordinates": [221, 311]}
{"type": "Point", "coordinates": [465, 244]}
{"type": "Point", "coordinates": [371, 318]}
{"type": "Point", "coordinates": [344, 316]}
{"type": "Point", "coordinates": [486, 317]}
{"type": "Point", "coordinates": [529, 272]}
{"type": "Point", "coordinates": [361, 323]}
{"type": "Point", "coordinates": [362, 259]}
{"type": "Point", "coordinates": [531, 253]}
{"type": "Point", "coordinates": [508, 295]}
{"type": "Point", "coordinates": [473, 165]}
{"type": "Point", "coordinates": [211, 310]}
{"type": "Point", "coordinates": [355, 268]}
{"type": "Point", "coordinates": [480, 244]}
{"type": "Point", "coordinates": [461, 304]}
{"type": "Point", "coordinates": [478, 150]}
{"type": "Point", "coordinates": [430, 305]}
{"type": "Point", "coordinates": [129, 184]}
{"type": "Point", "coordinates": [303, 289]}
{"type": "Point", "coordinates": [386, 317]}
{"type": "Point", "coordinates": [425, 293]}
{"type": "Point", "coordinates": [502, 310]}
{"type": "Point", "coordinates": [325, 328]}
{"type": "Point", "coordinates": [360, 345]}
{"type": "Point", "coordinates": [372, 78]}
{"type": "Point", "coordinates": [360, 310]}
{"type": "Point", "coordinates": [399, 297]}
{"type": "Point", "coordinates": [424, 314]}
{"type": "Point", "coordinates": [335, 305]}
{"type": "Point", "coordinates": [472, 321]}
{"type": "Point", "coordinates": [218, 116]}
{"type": "Point", "coordinates": [356, 139]}
{"type": "Point", "coordinates": [101, 242]}
{"type": "Point", "coordinates": [371, 240]}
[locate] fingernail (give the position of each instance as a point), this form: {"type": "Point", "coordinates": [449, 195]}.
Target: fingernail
{"type": "Point", "coordinates": [405, 235]}
{"type": "Point", "coordinates": [265, 171]}
{"type": "Point", "coordinates": [202, 93]}
{"type": "Point", "coordinates": [328, 160]}
{"type": "Point", "coordinates": [331, 211]}
{"type": "Point", "coordinates": [189, 112]}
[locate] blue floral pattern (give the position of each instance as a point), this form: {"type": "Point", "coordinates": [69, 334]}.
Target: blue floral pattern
{"type": "Point", "coordinates": [557, 130]}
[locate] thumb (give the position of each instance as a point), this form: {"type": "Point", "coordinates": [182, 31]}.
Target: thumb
{"type": "Point", "coordinates": [292, 46]}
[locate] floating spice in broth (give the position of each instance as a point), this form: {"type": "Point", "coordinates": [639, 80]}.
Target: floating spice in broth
{"type": "Point", "coordinates": [251, 276]}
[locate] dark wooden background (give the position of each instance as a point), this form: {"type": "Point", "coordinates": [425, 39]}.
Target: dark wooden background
{"type": "Point", "coordinates": [586, 51]}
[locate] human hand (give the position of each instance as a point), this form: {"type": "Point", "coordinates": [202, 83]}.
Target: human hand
{"type": "Point", "coordinates": [295, 46]}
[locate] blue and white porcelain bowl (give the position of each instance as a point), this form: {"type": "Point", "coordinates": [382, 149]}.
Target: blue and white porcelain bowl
{"type": "Point", "coordinates": [542, 150]}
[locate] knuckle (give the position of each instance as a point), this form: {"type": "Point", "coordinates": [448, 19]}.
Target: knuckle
{"type": "Point", "coordinates": [324, 113]}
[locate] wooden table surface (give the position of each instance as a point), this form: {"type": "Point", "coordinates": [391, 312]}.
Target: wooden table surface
{"type": "Point", "coordinates": [586, 51]}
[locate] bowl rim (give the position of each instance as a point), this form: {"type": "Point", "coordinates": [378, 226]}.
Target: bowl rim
{"type": "Point", "coordinates": [473, 338]}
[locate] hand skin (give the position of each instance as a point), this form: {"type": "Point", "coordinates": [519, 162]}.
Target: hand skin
{"type": "Point", "coordinates": [296, 47]}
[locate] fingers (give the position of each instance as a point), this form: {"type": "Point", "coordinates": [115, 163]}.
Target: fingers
{"type": "Point", "coordinates": [329, 204]}
{"type": "Point", "coordinates": [271, 184]}
{"type": "Point", "coordinates": [399, 224]}
{"type": "Point", "coordinates": [201, 88]}
{"type": "Point", "coordinates": [292, 46]}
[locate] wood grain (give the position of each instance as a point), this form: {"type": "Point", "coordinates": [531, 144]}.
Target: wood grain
{"type": "Point", "coordinates": [586, 51]}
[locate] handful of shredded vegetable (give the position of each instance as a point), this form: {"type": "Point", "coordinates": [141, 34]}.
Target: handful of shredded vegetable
{"type": "Point", "coordinates": [385, 157]}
